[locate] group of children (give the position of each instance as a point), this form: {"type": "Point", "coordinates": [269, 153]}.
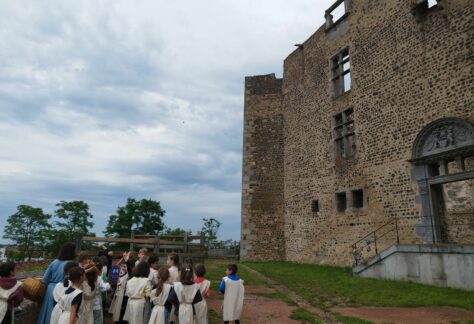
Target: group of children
{"type": "Point", "coordinates": [144, 292]}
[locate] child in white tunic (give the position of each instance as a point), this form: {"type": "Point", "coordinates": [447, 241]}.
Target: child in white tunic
{"type": "Point", "coordinates": [153, 262]}
{"type": "Point", "coordinates": [205, 288]}
{"type": "Point", "coordinates": [233, 289]}
{"type": "Point", "coordinates": [70, 303]}
{"type": "Point", "coordinates": [102, 287]}
{"type": "Point", "coordinates": [61, 287]}
{"type": "Point", "coordinates": [159, 298]}
{"type": "Point", "coordinates": [185, 294]}
{"type": "Point", "coordinates": [138, 288]}
{"type": "Point", "coordinates": [88, 288]}
{"type": "Point", "coordinates": [173, 266]}
{"type": "Point", "coordinates": [116, 305]}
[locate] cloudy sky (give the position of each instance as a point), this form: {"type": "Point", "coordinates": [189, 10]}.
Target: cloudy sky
{"type": "Point", "coordinates": [104, 100]}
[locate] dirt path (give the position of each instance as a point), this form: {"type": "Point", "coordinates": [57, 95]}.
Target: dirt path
{"type": "Point", "coordinates": [257, 309]}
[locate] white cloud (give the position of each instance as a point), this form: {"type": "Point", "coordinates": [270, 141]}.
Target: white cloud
{"type": "Point", "coordinates": [104, 100]}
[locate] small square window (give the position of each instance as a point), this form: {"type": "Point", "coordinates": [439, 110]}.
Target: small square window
{"type": "Point", "coordinates": [341, 201]}
{"type": "Point", "coordinates": [358, 198]}
{"type": "Point", "coordinates": [315, 206]}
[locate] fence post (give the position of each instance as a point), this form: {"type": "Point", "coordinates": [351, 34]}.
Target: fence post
{"type": "Point", "coordinates": [78, 243]}
{"type": "Point", "coordinates": [186, 247]}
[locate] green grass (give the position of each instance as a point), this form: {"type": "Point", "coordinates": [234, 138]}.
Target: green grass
{"type": "Point", "coordinates": [215, 269]}
{"type": "Point", "coordinates": [351, 320]}
{"type": "Point", "coordinates": [327, 286]}
{"type": "Point", "coordinates": [276, 295]}
{"type": "Point", "coordinates": [214, 317]}
{"type": "Point", "coordinates": [301, 314]}
{"type": "Point", "coordinates": [35, 268]}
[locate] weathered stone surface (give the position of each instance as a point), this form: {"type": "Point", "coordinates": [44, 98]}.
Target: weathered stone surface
{"type": "Point", "coordinates": [407, 71]}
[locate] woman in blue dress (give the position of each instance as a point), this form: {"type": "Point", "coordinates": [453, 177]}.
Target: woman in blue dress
{"type": "Point", "coordinates": [53, 275]}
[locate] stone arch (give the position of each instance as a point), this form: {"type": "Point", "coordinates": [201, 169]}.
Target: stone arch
{"type": "Point", "coordinates": [443, 135]}
{"type": "Point", "coordinates": [446, 140]}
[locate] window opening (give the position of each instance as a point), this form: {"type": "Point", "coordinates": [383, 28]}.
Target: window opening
{"type": "Point", "coordinates": [344, 133]}
{"type": "Point", "coordinates": [315, 206]}
{"type": "Point", "coordinates": [341, 201]}
{"type": "Point", "coordinates": [358, 198]}
{"type": "Point", "coordinates": [341, 72]}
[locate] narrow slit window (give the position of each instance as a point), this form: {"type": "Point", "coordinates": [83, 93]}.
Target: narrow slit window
{"type": "Point", "coordinates": [358, 198]}
{"type": "Point", "coordinates": [315, 206]}
{"type": "Point", "coordinates": [341, 202]}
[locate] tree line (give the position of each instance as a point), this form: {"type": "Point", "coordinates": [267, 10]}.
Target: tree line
{"type": "Point", "coordinates": [32, 229]}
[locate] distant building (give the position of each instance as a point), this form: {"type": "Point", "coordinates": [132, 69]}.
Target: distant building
{"type": "Point", "coordinates": [371, 125]}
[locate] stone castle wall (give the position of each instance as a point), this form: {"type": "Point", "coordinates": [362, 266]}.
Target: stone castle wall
{"type": "Point", "coordinates": [262, 183]}
{"type": "Point", "coordinates": [406, 70]}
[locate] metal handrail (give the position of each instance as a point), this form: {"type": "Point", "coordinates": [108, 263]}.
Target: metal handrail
{"type": "Point", "coordinates": [373, 236]}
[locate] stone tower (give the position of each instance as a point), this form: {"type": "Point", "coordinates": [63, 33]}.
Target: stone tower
{"type": "Point", "coordinates": [262, 183]}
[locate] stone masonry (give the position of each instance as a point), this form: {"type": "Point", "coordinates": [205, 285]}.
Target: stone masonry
{"type": "Point", "coordinates": [409, 66]}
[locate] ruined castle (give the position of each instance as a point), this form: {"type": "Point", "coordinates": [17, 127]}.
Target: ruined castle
{"type": "Point", "coordinates": [368, 136]}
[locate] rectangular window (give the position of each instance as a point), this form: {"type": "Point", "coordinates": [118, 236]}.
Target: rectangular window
{"type": "Point", "coordinates": [341, 201]}
{"type": "Point", "coordinates": [344, 136]}
{"type": "Point", "coordinates": [315, 206]}
{"type": "Point", "coordinates": [341, 72]}
{"type": "Point", "coordinates": [358, 198]}
{"type": "Point", "coordinates": [337, 12]}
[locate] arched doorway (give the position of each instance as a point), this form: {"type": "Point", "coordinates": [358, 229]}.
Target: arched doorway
{"type": "Point", "coordinates": [443, 166]}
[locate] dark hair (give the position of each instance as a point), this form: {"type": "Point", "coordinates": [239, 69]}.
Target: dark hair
{"type": "Point", "coordinates": [91, 278]}
{"type": "Point", "coordinates": [187, 274]}
{"type": "Point", "coordinates": [99, 265]}
{"type": "Point", "coordinates": [75, 274]}
{"type": "Point", "coordinates": [141, 270]}
{"type": "Point", "coordinates": [232, 268]}
{"type": "Point", "coordinates": [82, 256]}
{"type": "Point", "coordinates": [175, 259]}
{"type": "Point", "coordinates": [6, 269]}
{"type": "Point", "coordinates": [163, 276]}
{"type": "Point", "coordinates": [200, 270]}
{"type": "Point", "coordinates": [67, 267]}
{"type": "Point", "coordinates": [189, 261]}
{"type": "Point", "coordinates": [152, 259]}
{"type": "Point", "coordinates": [67, 252]}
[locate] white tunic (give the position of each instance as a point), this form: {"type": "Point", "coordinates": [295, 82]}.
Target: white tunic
{"type": "Point", "coordinates": [86, 315]}
{"type": "Point", "coordinates": [153, 277]}
{"type": "Point", "coordinates": [137, 290]}
{"type": "Point", "coordinates": [158, 312]}
{"type": "Point", "coordinates": [63, 315]}
{"type": "Point", "coordinates": [59, 291]}
{"type": "Point", "coordinates": [233, 299]}
{"type": "Point", "coordinates": [185, 294]}
{"type": "Point", "coordinates": [201, 307]}
{"type": "Point", "coordinates": [117, 300]}
{"type": "Point", "coordinates": [174, 275]}
{"type": "Point", "coordinates": [4, 295]}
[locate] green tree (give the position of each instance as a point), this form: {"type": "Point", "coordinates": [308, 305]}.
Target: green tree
{"type": "Point", "coordinates": [178, 231]}
{"type": "Point", "coordinates": [27, 228]}
{"type": "Point", "coordinates": [140, 216]}
{"type": "Point", "coordinates": [73, 221]}
{"type": "Point", "coordinates": [210, 228]}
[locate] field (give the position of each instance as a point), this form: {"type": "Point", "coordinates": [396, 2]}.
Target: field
{"type": "Point", "coordinates": [284, 292]}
